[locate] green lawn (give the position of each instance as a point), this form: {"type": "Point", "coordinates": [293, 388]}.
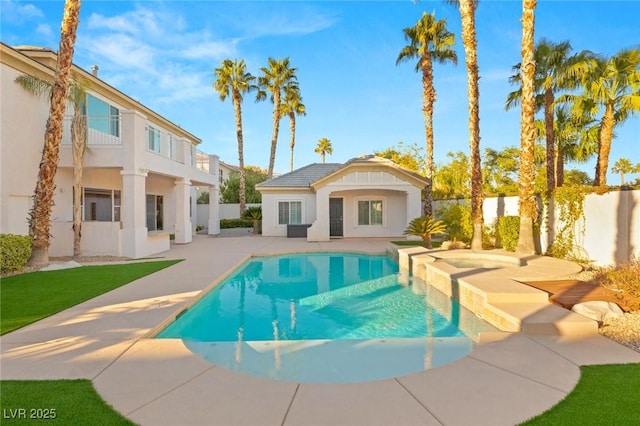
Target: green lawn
{"type": "Point", "coordinates": [67, 402]}
{"type": "Point", "coordinates": [605, 395]}
{"type": "Point", "coordinates": [27, 298]}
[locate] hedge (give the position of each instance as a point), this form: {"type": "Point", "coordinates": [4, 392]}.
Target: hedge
{"type": "Point", "coordinates": [15, 250]}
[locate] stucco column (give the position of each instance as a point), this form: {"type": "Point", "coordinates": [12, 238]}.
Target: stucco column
{"type": "Point", "coordinates": [214, 211]}
{"type": "Point", "coordinates": [133, 214]}
{"type": "Point", "coordinates": [319, 230]}
{"type": "Point", "coordinates": [183, 217]}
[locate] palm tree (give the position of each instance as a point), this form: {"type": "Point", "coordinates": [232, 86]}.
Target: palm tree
{"type": "Point", "coordinates": [469, 40]}
{"type": "Point", "coordinates": [275, 78]}
{"type": "Point", "coordinates": [232, 78]}
{"type": "Point", "coordinates": [576, 139]}
{"type": "Point", "coordinates": [291, 107]}
{"type": "Point", "coordinates": [324, 147]}
{"type": "Point", "coordinates": [555, 71]}
{"type": "Point", "coordinates": [622, 167]}
{"type": "Point", "coordinates": [40, 214]}
{"type": "Point", "coordinates": [424, 227]}
{"type": "Point", "coordinates": [429, 41]}
{"type": "Point", "coordinates": [612, 84]}
{"type": "Point", "coordinates": [527, 174]}
{"type": "Point", "coordinates": [77, 96]}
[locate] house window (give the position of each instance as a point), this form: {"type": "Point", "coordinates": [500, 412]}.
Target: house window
{"type": "Point", "coordinates": [171, 147]}
{"type": "Point", "coordinates": [102, 117]}
{"type": "Point", "coordinates": [101, 205]}
{"type": "Point", "coordinates": [289, 212]}
{"type": "Point", "coordinates": [154, 212]}
{"type": "Point", "coordinates": [153, 137]}
{"type": "Point", "coordinates": [370, 212]}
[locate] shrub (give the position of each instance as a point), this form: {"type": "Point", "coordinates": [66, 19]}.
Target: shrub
{"type": "Point", "coordinates": [253, 213]}
{"type": "Point", "coordinates": [509, 231]}
{"type": "Point", "coordinates": [424, 227]}
{"type": "Point", "coordinates": [457, 217]}
{"type": "Point", "coordinates": [624, 279]}
{"type": "Point", "coordinates": [15, 250]}
{"type": "Point", "coordinates": [235, 223]}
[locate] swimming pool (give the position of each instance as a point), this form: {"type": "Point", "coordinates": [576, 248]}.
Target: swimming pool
{"type": "Point", "coordinates": [325, 317]}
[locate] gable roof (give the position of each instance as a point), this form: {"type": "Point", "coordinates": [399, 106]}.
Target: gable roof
{"type": "Point", "coordinates": [317, 174]}
{"type": "Point", "coordinates": [302, 177]}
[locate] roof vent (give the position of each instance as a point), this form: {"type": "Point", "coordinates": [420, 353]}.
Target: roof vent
{"type": "Point", "coordinates": [94, 70]}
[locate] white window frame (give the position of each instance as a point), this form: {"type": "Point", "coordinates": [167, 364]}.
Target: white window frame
{"type": "Point", "coordinates": [370, 198]}
{"type": "Point", "coordinates": [289, 201]}
{"type": "Point", "coordinates": [151, 130]}
{"type": "Point", "coordinates": [116, 204]}
{"type": "Point", "coordinates": [112, 117]}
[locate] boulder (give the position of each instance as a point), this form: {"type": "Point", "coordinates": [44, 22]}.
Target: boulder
{"type": "Point", "coordinates": [598, 310]}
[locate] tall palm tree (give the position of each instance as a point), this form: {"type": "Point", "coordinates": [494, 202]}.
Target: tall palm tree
{"type": "Point", "coordinates": [232, 78]}
{"type": "Point", "coordinates": [527, 174]}
{"type": "Point", "coordinates": [429, 42]}
{"type": "Point", "coordinates": [274, 79]}
{"type": "Point", "coordinates": [324, 147]}
{"type": "Point", "coordinates": [469, 40]}
{"type": "Point", "coordinates": [40, 214]}
{"type": "Point", "coordinates": [622, 167]}
{"type": "Point", "coordinates": [77, 96]}
{"type": "Point", "coordinates": [291, 107]}
{"type": "Point", "coordinates": [612, 85]}
{"type": "Point", "coordinates": [555, 71]}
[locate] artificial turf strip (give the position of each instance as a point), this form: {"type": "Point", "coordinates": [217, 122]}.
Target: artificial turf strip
{"type": "Point", "coordinates": [604, 395]}
{"type": "Point", "coordinates": [67, 402]}
{"type": "Point", "coordinates": [28, 298]}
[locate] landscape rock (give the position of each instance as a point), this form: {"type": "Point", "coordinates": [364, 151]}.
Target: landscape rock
{"type": "Point", "coordinates": [601, 311]}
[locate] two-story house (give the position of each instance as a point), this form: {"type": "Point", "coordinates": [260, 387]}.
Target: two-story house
{"type": "Point", "coordinates": [140, 170]}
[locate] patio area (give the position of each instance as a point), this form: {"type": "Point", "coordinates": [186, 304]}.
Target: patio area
{"type": "Point", "coordinates": [507, 379]}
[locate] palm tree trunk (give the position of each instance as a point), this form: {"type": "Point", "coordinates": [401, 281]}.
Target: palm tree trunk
{"type": "Point", "coordinates": [292, 143]}
{"type": "Point", "coordinates": [78, 147]}
{"type": "Point", "coordinates": [467, 13]}
{"type": "Point", "coordinates": [237, 107]}
{"type": "Point", "coordinates": [559, 166]}
{"type": "Point", "coordinates": [276, 127]}
{"type": "Point", "coordinates": [606, 134]}
{"type": "Point", "coordinates": [40, 215]}
{"type": "Point", "coordinates": [428, 100]}
{"type": "Point", "coordinates": [526, 243]}
{"type": "Point", "coordinates": [550, 139]}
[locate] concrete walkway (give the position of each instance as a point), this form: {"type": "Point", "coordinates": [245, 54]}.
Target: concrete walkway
{"type": "Point", "coordinates": [509, 378]}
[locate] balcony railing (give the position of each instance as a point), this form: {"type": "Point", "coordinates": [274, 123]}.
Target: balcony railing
{"type": "Point", "coordinates": [102, 130]}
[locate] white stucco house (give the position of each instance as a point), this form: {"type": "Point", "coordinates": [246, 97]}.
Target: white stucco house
{"type": "Point", "coordinates": [140, 170]}
{"type": "Point", "coordinates": [367, 196]}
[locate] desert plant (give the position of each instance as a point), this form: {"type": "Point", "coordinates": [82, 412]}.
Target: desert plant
{"type": "Point", "coordinates": [255, 214]}
{"type": "Point", "coordinates": [424, 227]}
{"type": "Point", "coordinates": [625, 280]}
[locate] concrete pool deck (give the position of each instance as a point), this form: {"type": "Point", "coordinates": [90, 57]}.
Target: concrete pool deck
{"type": "Point", "coordinates": [507, 379]}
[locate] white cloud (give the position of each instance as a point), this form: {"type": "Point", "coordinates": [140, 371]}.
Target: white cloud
{"type": "Point", "coordinates": [44, 30]}
{"type": "Point", "coordinates": [18, 12]}
{"type": "Point", "coordinates": [309, 21]}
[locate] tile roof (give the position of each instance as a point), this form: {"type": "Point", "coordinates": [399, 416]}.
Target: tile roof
{"type": "Point", "coordinates": [302, 177]}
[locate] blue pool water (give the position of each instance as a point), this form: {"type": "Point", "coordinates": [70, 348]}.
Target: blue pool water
{"type": "Point", "coordinates": [324, 317]}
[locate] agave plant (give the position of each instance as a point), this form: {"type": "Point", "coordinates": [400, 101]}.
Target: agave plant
{"type": "Point", "coordinates": [255, 214]}
{"type": "Point", "coordinates": [424, 227]}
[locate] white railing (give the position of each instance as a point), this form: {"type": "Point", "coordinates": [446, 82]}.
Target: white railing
{"type": "Point", "coordinates": [102, 130]}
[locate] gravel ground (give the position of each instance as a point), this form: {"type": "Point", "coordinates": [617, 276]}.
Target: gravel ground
{"type": "Point", "coordinates": [624, 330]}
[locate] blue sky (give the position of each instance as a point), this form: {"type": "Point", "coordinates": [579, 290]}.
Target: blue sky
{"type": "Point", "coordinates": [162, 53]}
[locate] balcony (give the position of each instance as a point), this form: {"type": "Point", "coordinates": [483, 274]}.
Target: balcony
{"type": "Point", "coordinates": [108, 131]}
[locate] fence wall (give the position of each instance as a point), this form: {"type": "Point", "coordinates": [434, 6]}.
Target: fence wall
{"type": "Point", "coordinates": [608, 234]}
